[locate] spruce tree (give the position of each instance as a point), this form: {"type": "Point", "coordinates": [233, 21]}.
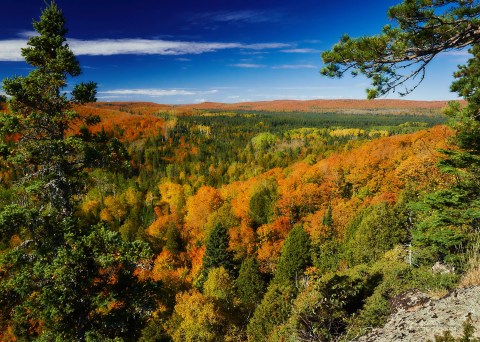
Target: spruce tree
{"type": "Point", "coordinates": [262, 202]}
{"type": "Point", "coordinates": [250, 284]}
{"type": "Point", "coordinates": [64, 279]}
{"type": "Point", "coordinates": [294, 258]}
{"type": "Point", "coordinates": [217, 253]}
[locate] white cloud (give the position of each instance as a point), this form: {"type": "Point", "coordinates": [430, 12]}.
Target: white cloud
{"type": "Point", "coordinates": [248, 65]}
{"type": "Point", "coordinates": [10, 49]}
{"type": "Point", "coordinates": [301, 51]}
{"type": "Point", "coordinates": [27, 34]}
{"type": "Point", "coordinates": [153, 92]}
{"type": "Point", "coordinates": [295, 66]}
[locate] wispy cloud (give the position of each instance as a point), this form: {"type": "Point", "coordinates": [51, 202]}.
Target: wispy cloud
{"type": "Point", "coordinates": [301, 51]}
{"type": "Point", "coordinates": [295, 66]}
{"type": "Point", "coordinates": [153, 92]}
{"type": "Point", "coordinates": [248, 65]}
{"type": "Point", "coordinates": [243, 16]}
{"type": "Point", "coordinates": [10, 49]}
{"type": "Point", "coordinates": [27, 34]}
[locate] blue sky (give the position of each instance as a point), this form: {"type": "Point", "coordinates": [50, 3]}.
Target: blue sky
{"type": "Point", "coordinates": [226, 51]}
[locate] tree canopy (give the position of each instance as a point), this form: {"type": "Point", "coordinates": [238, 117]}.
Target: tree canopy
{"type": "Point", "coordinates": [395, 60]}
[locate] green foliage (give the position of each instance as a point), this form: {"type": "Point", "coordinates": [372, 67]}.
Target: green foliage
{"type": "Point", "coordinates": [263, 141]}
{"type": "Point", "coordinates": [220, 285]}
{"type": "Point", "coordinates": [379, 227]}
{"type": "Point", "coordinates": [451, 217]}
{"type": "Point", "coordinates": [154, 331]}
{"type": "Point", "coordinates": [173, 242]}
{"type": "Point", "coordinates": [326, 255]}
{"type": "Point", "coordinates": [395, 276]}
{"type": "Point", "coordinates": [262, 202]}
{"type": "Point", "coordinates": [273, 311]}
{"type": "Point", "coordinates": [84, 92]}
{"type": "Point", "coordinates": [217, 253]}
{"type": "Point", "coordinates": [322, 311]}
{"type": "Point", "coordinates": [468, 332]}
{"type": "Point", "coordinates": [295, 257]}
{"type": "Point", "coordinates": [250, 284]}
{"type": "Point", "coordinates": [67, 279]}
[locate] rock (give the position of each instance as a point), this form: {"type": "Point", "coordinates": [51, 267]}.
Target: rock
{"type": "Point", "coordinates": [416, 317]}
{"type": "Point", "coordinates": [442, 268]}
{"type": "Point", "coordinates": [408, 301]}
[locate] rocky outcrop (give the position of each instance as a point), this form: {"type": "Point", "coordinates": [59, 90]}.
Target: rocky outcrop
{"type": "Point", "coordinates": [416, 317]}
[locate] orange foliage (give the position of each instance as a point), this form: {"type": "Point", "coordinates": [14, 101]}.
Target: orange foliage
{"type": "Point", "coordinates": [242, 240]}
{"type": "Point", "coordinates": [347, 182]}
{"type": "Point", "coordinates": [123, 124]}
{"type": "Point", "coordinates": [199, 207]}
{"type": "Point", "coordinates": [161, 224]}
{"type": "Point", "coordinates": [167, 269]}
{"type": "Point", "coordinates": [196, 257]}
{"type": "Point", "coordinates": [271, 237]}
{"type": "Point", "coordinates": [364, 106]}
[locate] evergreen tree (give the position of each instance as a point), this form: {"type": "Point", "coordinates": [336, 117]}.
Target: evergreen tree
{"type": "Point", "coordinates": [173, 240]}
{"type": "Point", "coordinates": [262, 202]}
{"type": "Point", "coordinates": [273, 311]}
{"type": "Point", "coordinates": [66, 280]}
{"type": "Point", "coordinates": [250, 284]}
{"type": "Point", "coordinates": [294, 258]}
{"type": "Point", "coordinates": [217, 253]}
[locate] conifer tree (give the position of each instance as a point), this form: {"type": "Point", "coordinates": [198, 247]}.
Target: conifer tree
{"type": "Point", "coordinates": [250, 284]}
{"type": "Point", "coordinates": [262, 202]}
{"type": "Point", "coordinates": [66, 279]}
{"type": "Point", "coordinates": [294, 258]}
{"type": "Point", "coordinates": [217, 253]}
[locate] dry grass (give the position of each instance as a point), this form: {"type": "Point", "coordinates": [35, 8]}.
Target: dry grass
{"type": "Point", "coordinates": [472, 275]}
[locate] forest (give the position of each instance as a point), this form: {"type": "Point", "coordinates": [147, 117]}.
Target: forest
{"type": "Point", "coordinates": [147, 222]}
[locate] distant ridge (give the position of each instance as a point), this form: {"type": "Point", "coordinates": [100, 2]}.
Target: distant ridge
{"type": "Point", "coordinates": [315, 106]}
{"type": "Point", "coordinates": [321, 105]}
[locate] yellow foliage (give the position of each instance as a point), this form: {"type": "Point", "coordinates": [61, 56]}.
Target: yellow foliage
{"type": "Point", "coordinates": [172, 193]}
{"type": "Point", "coordinates": [90, 206]}
{"type": "Point", "coordinates": [133, 197]}
{"type": "Point", "coordinates": [199, 318]}
{"type": "Point", "coordinates": [115, 207]}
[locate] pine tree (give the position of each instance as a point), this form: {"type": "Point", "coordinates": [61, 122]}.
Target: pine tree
{"type": "Point", "coordinates": [217, 253]}
{"type": "Point", "coordinates": [294, 258]}
{"type": "Point", "coordinates": [400, 54]}
{"type": "Point", "coordinates": [250, 284]}
{"type": "Point", "coordinates": [262, 202]}
{"type": "Point", "coordinates": [66, 280]}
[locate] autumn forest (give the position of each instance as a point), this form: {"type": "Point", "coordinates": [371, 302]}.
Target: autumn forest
{"type": "Point", "coordinates": [268, 221]}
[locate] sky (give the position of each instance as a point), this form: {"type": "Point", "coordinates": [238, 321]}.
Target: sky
{"type": "Point", "coordinates": [181, 51]}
